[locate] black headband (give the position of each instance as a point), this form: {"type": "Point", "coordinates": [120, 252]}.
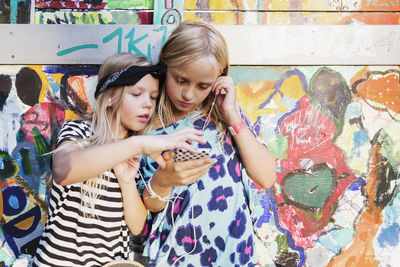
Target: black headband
{"type": "Point", "coordinates": [129, 76]}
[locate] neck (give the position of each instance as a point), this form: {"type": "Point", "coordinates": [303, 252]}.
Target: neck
{"type": "Point", "coordinates": [177, 114]}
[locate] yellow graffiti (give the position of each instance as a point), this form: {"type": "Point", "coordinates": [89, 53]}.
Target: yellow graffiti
{"type": "Point", "coordinates": [292, 87]}
{"type": "Point", "coordinates": [251, 95]}
{"type": "Point", "coordinates": [43, 78]}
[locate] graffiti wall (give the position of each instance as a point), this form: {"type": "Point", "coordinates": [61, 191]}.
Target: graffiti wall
{"type": "Point", "coordinates": [334, 128]}
{"type": "Point", "coordinates": [335, 131]}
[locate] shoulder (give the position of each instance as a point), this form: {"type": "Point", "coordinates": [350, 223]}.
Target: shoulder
{"type": "Point", "coordinates": [74, 129]}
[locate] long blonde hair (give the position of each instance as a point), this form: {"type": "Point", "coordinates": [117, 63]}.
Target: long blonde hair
{"type": "Point", "coordinates": [104, 115]}
{"type": "Point", "coordinates": [189, 42]}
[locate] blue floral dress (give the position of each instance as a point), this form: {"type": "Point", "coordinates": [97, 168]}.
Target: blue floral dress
{"type": "Point", "coordinates": [207, 223]}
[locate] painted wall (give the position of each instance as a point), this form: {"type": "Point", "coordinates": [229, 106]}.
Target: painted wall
{"type": "Point", "coordinates": [334, 129]}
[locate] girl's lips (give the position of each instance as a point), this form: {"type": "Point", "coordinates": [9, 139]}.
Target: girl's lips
{"type": "Point", "coordinates": [184, 104]}
{"type": "Point", "coordinates": [143, 118]}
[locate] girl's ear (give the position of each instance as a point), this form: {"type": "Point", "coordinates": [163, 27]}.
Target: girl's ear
{"type": "Point", "coordinates": [109, 103]}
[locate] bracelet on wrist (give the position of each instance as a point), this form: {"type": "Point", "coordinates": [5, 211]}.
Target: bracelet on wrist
{"type": "Point", "coordinates": [155, 195]}
{"type": "Point", "coordinates": [237, 127]}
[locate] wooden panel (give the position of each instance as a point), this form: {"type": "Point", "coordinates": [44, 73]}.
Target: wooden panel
{"type": "Point", "coordinates": [248, 45]}
{"type": "Point", "coordinates": [77, 44]}
{"type": "Point", "coordinates": [295, 5]}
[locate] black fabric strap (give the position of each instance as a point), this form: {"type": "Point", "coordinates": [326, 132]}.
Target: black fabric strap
{"type": "Point", "coordinates": [129, 76]}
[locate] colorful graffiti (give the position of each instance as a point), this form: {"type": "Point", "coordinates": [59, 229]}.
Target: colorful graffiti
{"type": "Point", "coordinates": [335, 131]}
{"type": "Point", "coordinates": [34, 103]}
{"type": "Point", "coordinates": [12, 12]}
{"type": "Point", "coordinates": [299, 12]}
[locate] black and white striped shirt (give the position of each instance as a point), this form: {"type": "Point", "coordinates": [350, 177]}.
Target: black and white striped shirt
{"type": "Point", "coordinates": [72, 239]}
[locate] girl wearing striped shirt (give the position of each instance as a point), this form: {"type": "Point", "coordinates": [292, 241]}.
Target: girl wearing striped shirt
{"type": "Point", "coordinates": [94, 200]}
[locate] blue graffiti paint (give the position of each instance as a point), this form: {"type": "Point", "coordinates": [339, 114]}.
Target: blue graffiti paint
{"type": "Point", "coordinates": [335, 240]}
{"type": "Point", "coordinates": [357, 185]}
{"type": "Point", "coordinates": [389, 236]}
{"type": "Point", "coordinates": [14, 200]}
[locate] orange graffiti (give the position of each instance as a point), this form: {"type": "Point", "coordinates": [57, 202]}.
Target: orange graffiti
{"type": "Point", "coordinates": [384, 90]}
{"type": "Point", "coordinates": [373, 19]}
{"type": "Point", "coordinates": [361, 252]}
{"type": "Point", "coordinates": [77, 84]}
{"type": "Point", "coordinates": [25, 224]}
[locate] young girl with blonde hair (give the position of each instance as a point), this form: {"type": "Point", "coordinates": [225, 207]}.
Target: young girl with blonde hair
{"type": "Point", "coordinates": [94, 201]}
{"type": "Point", "coordinates": [202, 209]}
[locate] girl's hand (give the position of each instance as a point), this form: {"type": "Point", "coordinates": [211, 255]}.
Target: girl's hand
{"type": "Point", "coordinates": [126, 171]}
{"type": "Point", "coordinates": [226, 102]}
{"type": "Point", "coordinates": [180, 173]}
{"type": "Point", "coordinates": [155, 144]}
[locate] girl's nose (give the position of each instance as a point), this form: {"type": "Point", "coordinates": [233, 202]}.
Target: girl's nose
{"type": "Point", "coordinates": [147, 102]}
{"type": "Point", "coordinates": [187, 93]}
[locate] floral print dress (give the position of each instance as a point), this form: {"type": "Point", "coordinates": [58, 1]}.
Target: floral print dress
{"type": "Point", "coordinates": [207, 223]}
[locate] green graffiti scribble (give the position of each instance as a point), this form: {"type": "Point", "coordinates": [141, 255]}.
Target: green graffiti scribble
{"type": "Point", "coordinates": [283, 246]}
{"type": "Point", "coordinates": [41, 148]}
{"type": "Point", "coordinates": [76, 48]}
{"type": "Point", "coordinates": [164, 38]}
{"type": "Point", "coordinates": [26, 161]}
{"type": "Point", "coordinates": [117, 32]}
{"type": "Point", "coordinates": [132, 43]}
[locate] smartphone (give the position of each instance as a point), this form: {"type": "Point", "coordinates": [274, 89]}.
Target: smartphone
{"type": "Point", "coordinates": [184, 155]}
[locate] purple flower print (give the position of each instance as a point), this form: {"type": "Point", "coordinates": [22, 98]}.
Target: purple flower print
{"type": "Point", "coordinates": [234, 169]}
{"type": "Point", "coordinates": [208, 257]}
{"type": "Point", "coordinates": [228, 148]}
{"type": "Point", "coordinates": [237, 226]}
{"type": "Point", "coordinates": [200, 185]}
{"type": "Point", "coordinates": [218, 198]}
{"type": "Point", "coordinates": [153, 236]}
{"type": "Point", "coordinates": [197, 211]}
{"type": "Point", "coordinates": [220, 243]}
{"type": "Point", "coordinates": [185, 237]}
{"type": "Point", "coordinates": [174, 259]}
{"type": "Point", "coordinates": [199, 124]}
{"type": "Point", "coordinates": [164, 235]}
{"type": "Point", "coordinates": [245, 250]}
{"type": "Point", "coordinates": [179, 204]}
{"type": "Point", "coordinates": [218, 169]}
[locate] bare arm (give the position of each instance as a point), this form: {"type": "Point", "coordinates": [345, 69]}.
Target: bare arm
{"type": "Point", "coordinates": [257, 159]}
{"type": "Point", "coordinates": [135, 212]}
{"type": "Point", "coordinates": [71, 164]}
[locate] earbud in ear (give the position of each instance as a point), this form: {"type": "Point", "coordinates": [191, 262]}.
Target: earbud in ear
{"type": "Point", "coordinates": [109, 102]}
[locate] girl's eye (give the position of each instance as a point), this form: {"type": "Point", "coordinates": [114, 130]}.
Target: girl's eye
{"type": "Point", "coordinates": [204, 87]}
{"type": "Point", "coordinates": [179, 80]}
{"type": "Point", "coordinates": [154, 97]}
{"type": "Point", "coordinates": [136, 94]}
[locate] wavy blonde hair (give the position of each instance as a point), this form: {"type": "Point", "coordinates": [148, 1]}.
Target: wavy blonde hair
{"type": "Point", "coordinates": [189, 42]}
{"type": "Point", "coordinates": [104, 115]}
